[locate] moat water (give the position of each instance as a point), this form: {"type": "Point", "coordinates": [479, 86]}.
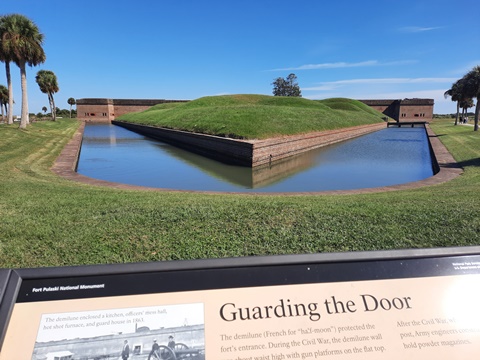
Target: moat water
{"type": "Point", "coordinates": [390, 156]}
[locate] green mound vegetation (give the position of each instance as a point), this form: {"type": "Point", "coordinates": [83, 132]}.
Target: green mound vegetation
{"type": "Point", "coordinates": [256, 116]}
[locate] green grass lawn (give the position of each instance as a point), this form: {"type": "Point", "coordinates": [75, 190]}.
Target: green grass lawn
{"type": "Point", "coordinates": [48, 221]}
{"type": "Point", "coordinates": [256, 116]}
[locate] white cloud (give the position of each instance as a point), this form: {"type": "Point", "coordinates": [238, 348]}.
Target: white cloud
{"type": "Point", "coordinates": [442, 105]}
{"type": "Point", "coordinates": [336, 84]}
{"type": "Point", "coordinates": [336, 65]}
{"type": "Point", "coordinates": [417, 29]}
{"type": "Point", "coordinates": [466, 68]}
{"type": "Point", "coordinates": [342, 64]}
{"type": "Point", "coordinates": [323, 87]}
{"type": "Point", "coordinates": [422, 94]}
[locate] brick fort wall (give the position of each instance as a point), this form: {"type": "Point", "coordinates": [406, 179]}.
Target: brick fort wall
{"type": "Point", "coordinates": [106, 110]}
{"type": "Point", "coordinates": [404, 110]}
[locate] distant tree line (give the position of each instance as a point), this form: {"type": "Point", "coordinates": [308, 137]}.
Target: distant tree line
{"type": "Point", "coordinates": [463, 91]}
{"type": "Point", "coordinates": [60, 113]}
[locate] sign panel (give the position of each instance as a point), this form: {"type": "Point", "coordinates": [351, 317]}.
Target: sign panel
{"type": "Point", "coordinates": [269, 308]}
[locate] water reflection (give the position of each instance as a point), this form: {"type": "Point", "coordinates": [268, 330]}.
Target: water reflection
{"type": "Point", "coordinates": [387, 157]}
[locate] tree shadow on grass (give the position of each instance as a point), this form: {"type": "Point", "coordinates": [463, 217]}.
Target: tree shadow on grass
{"type": "Point", "coordinates": [471, 162]}
{"type": "Point", "coordinates": [462, 164]}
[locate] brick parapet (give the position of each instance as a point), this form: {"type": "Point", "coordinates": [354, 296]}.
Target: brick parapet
{"type": "Point", "coordinates": [270, 150]}
{"type": "Point", "coordinates": [238, 152]}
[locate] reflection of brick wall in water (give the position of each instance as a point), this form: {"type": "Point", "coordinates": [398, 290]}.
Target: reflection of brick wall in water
{"type": "Point", "coordinates": [271, 150]}
{"type": "Point", "coordinates": [111, 345]}
{"type": "Point", "coordinates": [251, 152]}
{"type": "Point", "coordinates": [267, 174]}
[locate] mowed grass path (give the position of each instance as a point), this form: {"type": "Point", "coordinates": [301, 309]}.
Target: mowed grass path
{"type": "Point", "coordinates": [49, 221]}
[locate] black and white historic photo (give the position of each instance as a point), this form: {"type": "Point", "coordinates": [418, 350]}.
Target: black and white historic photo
{"type": "Point", "coordinates": [154, 332]}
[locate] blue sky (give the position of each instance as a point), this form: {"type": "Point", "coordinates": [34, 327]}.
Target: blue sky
{"type": "Point", "coordinates": [186, 49]}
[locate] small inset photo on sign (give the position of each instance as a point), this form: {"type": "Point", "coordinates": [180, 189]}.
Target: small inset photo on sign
{"type": "Point", "coordinates": [154, 332]}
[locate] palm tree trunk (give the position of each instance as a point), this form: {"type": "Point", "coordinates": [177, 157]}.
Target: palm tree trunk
{"type": "Point", "coordinates": [54, 109]}
{"type": "Point", "coordinates": [477, 111]}
{"type": "Point", "coordinates": [10, 93]}
{"type": "Point", "coordinates": [52, 106]}
{"type": "Point", "coordinates": [23, 75]}
{"type": "Point", "coordinates": [458, 110]}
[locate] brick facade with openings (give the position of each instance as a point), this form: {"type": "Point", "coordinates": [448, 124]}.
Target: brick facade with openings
{"type": "Point", "coordinates": [404, 110]}
{"type": "Point", "coordinates": [106, 110]}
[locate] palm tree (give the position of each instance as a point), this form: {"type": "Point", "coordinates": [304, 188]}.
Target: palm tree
{"type": "Point", "coordinates": [44, 109]}
{"type": "Point", "coordinates": [71, 102]}
{"type": "Point", "coordinates": [472, 90]}
{"type": "Point", "coordinates": [455, 92]}
{"type": "Point", "coordinates": [5, 57]}
{"type": "Point", "coordinates": [3, 100]}
{"type": "Point", "coordinates": [22, 43]}
{"type": "Point", "coordinates": [47, 81]}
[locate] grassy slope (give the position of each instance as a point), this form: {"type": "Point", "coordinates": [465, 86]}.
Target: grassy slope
{"type": "Point", "coordinates": [46, 220]}
{"type": "Point", "coordinates": [256, 116]}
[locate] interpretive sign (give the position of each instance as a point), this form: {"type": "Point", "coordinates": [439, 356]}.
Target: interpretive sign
{"type": "Point", "coordinates": [417, 304]}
